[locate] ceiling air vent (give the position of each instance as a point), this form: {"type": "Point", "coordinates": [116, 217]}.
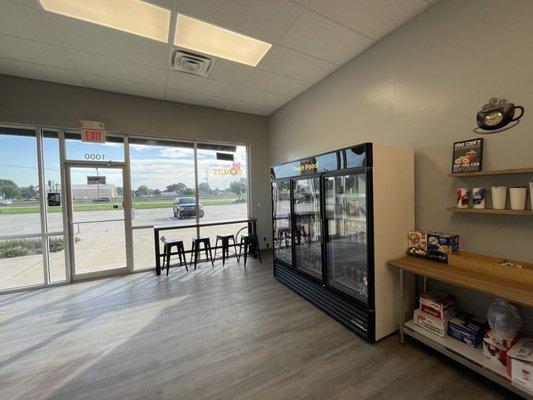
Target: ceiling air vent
{"type": "Point", "coordinates": [191, 63]}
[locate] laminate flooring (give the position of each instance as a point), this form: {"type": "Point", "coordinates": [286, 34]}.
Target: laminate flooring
{"type": "Point", "coordinates": [228, 332]}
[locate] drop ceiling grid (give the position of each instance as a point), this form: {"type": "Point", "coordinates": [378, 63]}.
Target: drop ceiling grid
{"type": "Point", "coordinates": [310, 38]}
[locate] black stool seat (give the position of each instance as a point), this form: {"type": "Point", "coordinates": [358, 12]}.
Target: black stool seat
{"type": "Point", "coordinates": [225, 246]}
{"type": "Point", "coordinates": [168, 252]}
{"type": "Point", "coordinates": [251, 245]}
{"type": "Point", "coordinates": [195, 251]}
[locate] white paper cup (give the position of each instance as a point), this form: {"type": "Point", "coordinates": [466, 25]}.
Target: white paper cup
{"type": "Point", "coordinates": [499, 197]}
{"type": "Point", "coordinates": [531, 194]}
{"type": "Point", "coordinates": [462, 197]}
{"type": "Point", "coordinates": [518, 198]}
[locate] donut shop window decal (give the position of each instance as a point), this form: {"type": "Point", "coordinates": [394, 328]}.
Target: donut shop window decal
{"type": "Point", "coordinates": [467, 156]}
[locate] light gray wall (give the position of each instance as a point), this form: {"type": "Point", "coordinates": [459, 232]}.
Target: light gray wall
{"type": "Point", "coordinates": [27, 101]}
{"type": "Point", "coordinates": [421, 86]}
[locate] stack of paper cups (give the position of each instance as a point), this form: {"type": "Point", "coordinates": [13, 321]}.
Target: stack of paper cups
{"type": "Point", "coordinates": [479, 198]}
{"type": "Point", "coordinates": [499, 197]}
{"type": "Point", "coordinates": [518, 198]}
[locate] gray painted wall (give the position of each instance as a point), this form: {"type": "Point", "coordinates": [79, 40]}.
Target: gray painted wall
{"type": "Point", "coordinates": [421, 86]}
{"type": "Point", "coordinates": [27, 101]}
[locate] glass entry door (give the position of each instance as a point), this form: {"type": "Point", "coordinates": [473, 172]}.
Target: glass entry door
{"type": "Point", "coordinates": [97, 223]}
{"type": "Point", "coordinates": [308, 226]}
{"type": "Point", "coordinates": [347, 236]}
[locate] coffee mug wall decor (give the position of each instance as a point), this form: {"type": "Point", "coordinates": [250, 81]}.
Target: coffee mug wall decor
{"type": "Point", "coordinates": [518, 197]}
{"type": "Point", "coordinates": [462, 197]}
{"type": "Point", "coordinates": [479, 196]}
{"type": "Point", "coordinates": [499, 197]}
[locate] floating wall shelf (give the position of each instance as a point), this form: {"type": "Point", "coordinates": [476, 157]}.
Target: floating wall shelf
{"type": "Point", "coordinates": [491, 211]}
{"type": "Point", "coordinates": [493, 172]}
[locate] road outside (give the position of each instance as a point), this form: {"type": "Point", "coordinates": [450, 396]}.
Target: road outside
{"type": "Point", "coordinates": [101, 244]}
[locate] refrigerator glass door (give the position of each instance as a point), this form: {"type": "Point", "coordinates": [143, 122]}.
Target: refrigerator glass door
{"type": "Point", "coordinates": [281, 208]}
{"type": "Point", "coordinates": [307, 226]}
{"type": "Point", "coordinates": [346, 244]}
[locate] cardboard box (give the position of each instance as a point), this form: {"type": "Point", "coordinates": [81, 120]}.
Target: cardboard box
{"type": "Point", "coordinates": [446, 314]}
{"type": "Point", "coordinates": [433, 245]}
{"type": "Point", "coordinates": [466, 328]}
{"type": "Point", "coordinates": [439, 301]}
{"type": "Point", "coordinates": [435, 325]}
{"type": "Point", "coordinates": [495, 348]}
{"type": "Point", "coordinates": [418, 244]}
{"type": "Point", "coordinates": [440, 245]}
{"type": "Point", "coordinates": [520, 364]}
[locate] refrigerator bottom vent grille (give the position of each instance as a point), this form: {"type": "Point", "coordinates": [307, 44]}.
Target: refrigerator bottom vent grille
{"type": "Point", "coordinates": [353, 316]}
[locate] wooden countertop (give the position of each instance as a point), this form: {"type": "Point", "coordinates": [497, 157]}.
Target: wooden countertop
{"type": "Point", "coordinates": [517, 292]}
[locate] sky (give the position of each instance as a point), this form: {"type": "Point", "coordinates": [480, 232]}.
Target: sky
{"type": "Point", "coordinates": [153, 166]}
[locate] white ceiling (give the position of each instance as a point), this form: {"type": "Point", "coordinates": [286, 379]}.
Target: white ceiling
{"type": "Point", "coordinates": [311, 38]}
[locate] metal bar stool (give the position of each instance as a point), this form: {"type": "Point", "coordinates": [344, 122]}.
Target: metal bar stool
{"type": "Point", "coordinates": [168, 252]}
{"type": "Point", "coordinates": [225, 246]}
{"type": "Point", "coordinates": [250, 243]}
{"type": "Point", "coordinates": [195, 251]}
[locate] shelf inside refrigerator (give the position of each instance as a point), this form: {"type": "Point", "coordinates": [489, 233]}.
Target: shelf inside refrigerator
{"type": "Point", "coordinates": [470, 357]}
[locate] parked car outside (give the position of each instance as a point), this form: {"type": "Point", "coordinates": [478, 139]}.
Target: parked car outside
{"type": "Point", "coordinates": [102, 200]}
{"type": "Point", "coordinates": [186, 207]}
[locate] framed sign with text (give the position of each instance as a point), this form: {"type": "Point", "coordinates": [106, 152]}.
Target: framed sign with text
{"type": "Point", "coordinates": [467, 156]}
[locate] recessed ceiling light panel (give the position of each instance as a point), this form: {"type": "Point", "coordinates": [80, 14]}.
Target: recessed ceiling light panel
{"type": "Point", "coordinates": [132, 16]}
{"type": "Point", "coordinates": [206, 38]}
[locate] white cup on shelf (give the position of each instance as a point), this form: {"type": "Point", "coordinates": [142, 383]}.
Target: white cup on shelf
{"type": "Point", "coordinates": [499, 197]}
{"type": "Point", "coordinates": [531, 194]}
{"type": "Point", "coordinates": [518, 198]}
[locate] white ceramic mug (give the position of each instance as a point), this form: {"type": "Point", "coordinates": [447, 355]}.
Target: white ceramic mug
{"type": "Point", "coordinates": [499, 197]}
{"type": "Point", "coordinates": [518, 198]}
{"type": "Point", "coordinates": [462, 197]}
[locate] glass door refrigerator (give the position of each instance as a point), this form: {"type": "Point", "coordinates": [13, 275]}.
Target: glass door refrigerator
{"type": "Point", "coordinates": [326, 235]}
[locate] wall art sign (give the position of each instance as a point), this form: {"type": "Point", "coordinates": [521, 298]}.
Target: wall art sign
{"type": "Point", "coordinates": [497, 115]}
{"type": "Point", "coordinates": [467, 156]}
{"type": "Point", "coordinates": [54, 199]}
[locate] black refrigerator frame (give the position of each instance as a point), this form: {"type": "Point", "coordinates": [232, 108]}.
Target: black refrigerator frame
{"type": "Point", "coordinates": [355, 314]}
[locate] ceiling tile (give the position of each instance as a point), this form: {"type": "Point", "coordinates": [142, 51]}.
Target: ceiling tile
{"type": "Point", "coordinates": [98, 39]}
{"type": "Point", "coordinates": [303, 2]}
{"type": "Point", "coordinates": [29, 23]}
{"type": "Point", "coordinates": [275, 83]}
{"type": "Point", "coordinates": [374, 18]}
{"type": "Point", "coordinates": [259, 97]}
{"type": "Point", "coordinates": [27, 3]}
{"type": "Point", "coordinates": [291, 63]}
{"type": "Point", "coordinates": [122, 86]}
{"type": "Point", "coordinates": [265, 20]}
{"type": "Point", "coordinates": [195, 98]}
{"type": "Point", "coordinates": [230, 72]}
{"type": "Point", "coordinates": [41, 72]}
{"type": "Point", "coordinates": [249, 108]}
{"type": "Point", "coordinates": [197, 84]}
{"type": "Point", "coordinates": [106, 66]}
{"type": "Point", "coordinates": [35, 52]}
{"type": "Point", "coordinates": [320, 37]}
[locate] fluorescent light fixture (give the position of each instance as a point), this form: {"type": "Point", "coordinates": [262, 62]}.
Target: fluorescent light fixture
{"type": "Point", "coordinates": [132, 16]}
{"type": "Point", "coordinates": [200, 36]}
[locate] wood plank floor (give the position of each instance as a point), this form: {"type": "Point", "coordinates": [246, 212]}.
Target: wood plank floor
{"type": "Point", "coordinates": [216, 333]}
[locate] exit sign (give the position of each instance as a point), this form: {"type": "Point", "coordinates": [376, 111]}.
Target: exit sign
{"type": "Point", "coordinates": [92, 131]}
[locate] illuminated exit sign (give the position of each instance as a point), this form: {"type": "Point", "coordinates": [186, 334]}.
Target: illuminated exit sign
{"type": "Point", "coordinates": [92, 131]}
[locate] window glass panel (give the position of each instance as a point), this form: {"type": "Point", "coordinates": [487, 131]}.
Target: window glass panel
{"type": "Point", "coordinates": [21, 260]}
{"type": "Point", "coordinates": [111, 150]}
{"type": "Point", "coordinates": [222, 184]}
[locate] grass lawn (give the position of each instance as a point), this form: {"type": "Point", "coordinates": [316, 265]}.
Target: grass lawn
{"type": "Point", "coordinates": [137, 203]}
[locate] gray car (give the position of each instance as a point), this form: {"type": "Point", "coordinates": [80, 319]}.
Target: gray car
{"type": "Point", "coordinates": [186, 207]}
